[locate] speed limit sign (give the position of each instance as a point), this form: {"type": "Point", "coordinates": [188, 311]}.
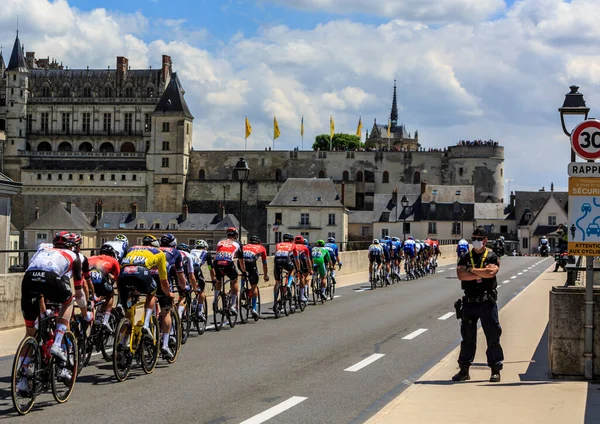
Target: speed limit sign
{"type": "Point", "coordinates": [585, 139]}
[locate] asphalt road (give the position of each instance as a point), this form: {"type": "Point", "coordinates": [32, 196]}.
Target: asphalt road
{"type": "Point", "coordinates": [303, 366]}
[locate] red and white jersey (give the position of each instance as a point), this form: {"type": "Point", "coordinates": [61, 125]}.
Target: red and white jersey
{"type": "Point", "coordinates": [286, 250]}
{"type": "Point", "coordinates": [228, 250]}
{"type": "Point", "coordinates": [59, 261]}
{"type": "Point", "coordinates": [303, 252]}
{"type": "Point", "coordinates": [104, 264]}
{"type": "Point", "coordinates": [254, 252]}
{"type": "Point", "coordinates": [188, 262]}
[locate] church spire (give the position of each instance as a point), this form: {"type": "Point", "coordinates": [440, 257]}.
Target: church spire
{"type": "Point", "coordinates": [394, 114]}
{"type": "Point", "coordinates": [17, 59]}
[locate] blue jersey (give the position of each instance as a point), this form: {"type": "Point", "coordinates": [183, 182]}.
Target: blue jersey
{"type": "Point", "coordinates": [333, 251]}
{"type": "Point", "coordinates": [409, 247]}
{"type": "Point", "coordinates": [174, 259]}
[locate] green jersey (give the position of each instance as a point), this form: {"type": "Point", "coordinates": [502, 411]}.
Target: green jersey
{"type": "Point", "coordinates": [320, 255]}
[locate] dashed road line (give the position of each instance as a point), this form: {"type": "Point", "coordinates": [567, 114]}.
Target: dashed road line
{"type": "Point", "coordinates": [274, 411]}
{"type": "Point", "coordinates": [513, 277]}
{"type": "Point", "coordinates": [336, 296]}
{"type": "Point", "coordinates": [506, 281]}
{"type": "Point", "coordinates": [441, 270]}
{"type": "Point", "coordinates": [446, 316]}
{"type": "Point", "coordinates": [519, 273]}
{"type": "Point", "coordinates": [367, 361]}
{"type": "Point", "coordinates": [414, 334]}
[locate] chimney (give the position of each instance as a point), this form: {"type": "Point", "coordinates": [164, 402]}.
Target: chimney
{"type": "Point", "coordinates": [100, 209]}
{"type": "Point", "coordinates": [69, 206]}
{"type": "Point", "coordinates": [221, 212]}
{"type": "Point", "coordinates": [343, 193]}
{"type": "Point", "coordinates": [423, 187]}
{"type": "Point", "coordinates": [122, 63]}
{"type": "Point", "coordinates": [512, 200]}
{"type": "Point", "coordinates": [37, 213]}
{"type": "Point", "coordinates": [166, 67]}
{"type": "Point", "coordinates": [134, 210]}
{"type": "Point", "coordinates": [184, 212]}
{"type": "Point", "coordinates": [30, 59]}
{"type": "Point", "coordinates": [395, 196]}
{"type": "Point", "coordinates": [552, 187]}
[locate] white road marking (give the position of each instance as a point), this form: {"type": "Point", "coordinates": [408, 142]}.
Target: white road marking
{"type": "Point", "coordinates": [506, 281]}
{"type": "Point", "coordinates": [519, 273]}
{"type": "Point", "coordinates": [525, 270]}
{"type": "Point", "coordinates": [513, 277]}
{"type": "Point", "coordinates": [367, 361]}
{"type": "Point", "coordinates": [446, 316]}
{"type": "Point", "coordinates": [441, 270]}
{"type": "Point", "coordinates": [274, 411]}
{"type": "Point", "coordinates": [336, 296]}
{"type": "Point", "coordinates": [452, 267]}
{"type": "Point", "coordinates": [414, 334]}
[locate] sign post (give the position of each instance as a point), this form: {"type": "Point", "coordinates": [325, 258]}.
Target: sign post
{"type": "Point", "coordinates": [584, 220]}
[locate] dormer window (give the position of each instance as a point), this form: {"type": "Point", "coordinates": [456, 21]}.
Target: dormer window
{"type": "Point", "coordinates": [294, 199]}
{"type": "Point", "coordinates": [173, 225]}
{"type": "Point", "coordinates": [319, 199]}
{"type": "Point", "coordinates": [458, 192]}
{"type": "Point", "coordinates": [434, 192]}
{"type": "Point", "coordinates": [156, 225]}
{"type": "Point", "coordinates": [142, 224]}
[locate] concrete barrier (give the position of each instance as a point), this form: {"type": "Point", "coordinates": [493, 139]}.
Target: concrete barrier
{"type": "Point", "coordinates": [10, 284]}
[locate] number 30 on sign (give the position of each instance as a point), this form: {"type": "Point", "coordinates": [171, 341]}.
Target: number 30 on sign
{"type": "Point", "coordinates": [585, 139]}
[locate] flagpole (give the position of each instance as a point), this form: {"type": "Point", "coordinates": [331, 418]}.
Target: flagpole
{"type": "Point", "coordinates": [246, 134]}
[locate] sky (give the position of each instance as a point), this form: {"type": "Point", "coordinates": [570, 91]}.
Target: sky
{"type": "Point", "coordinates": [465, 69]}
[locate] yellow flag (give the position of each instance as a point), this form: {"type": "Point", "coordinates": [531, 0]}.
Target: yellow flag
{"type": "Point", "coordinates": [248, 128]}
{"type": "Point", "coordinates": [276, 132]}
{"type": "Point", "coordinates": [302, 126]}
{"type": "Point", "coordinates": [359, 128]}
{"type": "Point", "coordinates": [331, 126]}
{"type": "Point", "coordinates": [389, 128]}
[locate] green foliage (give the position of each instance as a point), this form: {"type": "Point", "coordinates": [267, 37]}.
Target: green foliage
{"type": "Point", "coordinates": [340, 141]}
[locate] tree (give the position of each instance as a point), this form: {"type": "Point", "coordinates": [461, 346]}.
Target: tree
{"type": "Point", "coordinates": [340, 141]}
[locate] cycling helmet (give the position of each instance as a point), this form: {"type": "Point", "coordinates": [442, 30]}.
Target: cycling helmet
{"type": "Point", "coordinates": [121, 237]}
{"type": "Point", "coordinates": [410, 237]}
{"type": "Point", "coordinates": [386, 238]}
{"type": "Point", "coordinates": [150, 240]}
{"type": "Point", "coordinates": [64, 240]}
{"type": "Point", "coordinates": [168, 240]}
{"type": "Point", "coordinates": [108, 250]}
{"type": "Point", "coordinates": [255, 240]}
{"type": "Point", "coordinates": [502, 238]}
{"type": "Point", "coordinates": [299, 240]}
{"type": "Point", "coordinates": [288, 237]}
{"type": "Point", "coordinates": [321, 243]}
{"type": "Point", "coordinates": [331, 240]}
{"type": "Point", "coordinates": [232, 231]}
{"type": "Point", "coordinates": [376, 241]}
{"type": "Point", "coordinates": [306, 242]}
{"type": "Point", "coordinates": [201, 244]}
{"type": "Point", "coordinates": [395, 239]}
{"type": "Point", "coordinates": [184, 247]}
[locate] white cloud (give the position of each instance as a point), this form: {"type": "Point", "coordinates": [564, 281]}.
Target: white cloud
{"type": "Point", "coordinates": [502, 79]}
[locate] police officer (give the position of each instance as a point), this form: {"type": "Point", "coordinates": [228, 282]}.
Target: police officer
{"type": "Point", "coordinates": [477, 272]}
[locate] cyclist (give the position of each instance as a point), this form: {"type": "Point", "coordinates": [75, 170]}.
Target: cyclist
{"type": "Point", "coordinates": [334, 254]}
{"type": "Point", "coordinates": [83, 290]}
{"type": "Point", "coordinates": [104, 268]}
{"type": "Point", "coordinates": [306, 265]}
{"type": "Point", "coordinates": [286, 257]}
{"type": "Point", "coordinates": [200, 256]}
{"type": "Point", "coordinates": [308, 245]}
{"type": "Point", "coordinates": [228, 251]}
{"type": "Point", "coordinates": [462, 249]}
{"type": "Point", "coordinates": [386, 246]}
{"type": "Point", "coordinates": [141, 267]}
{"type": "Point", "coordinates": [321, 261]}
{"type": "Point", "coordinates": [49, 274]}
{"type": "Point", "coordinates": [253, 252]}
{"type": "Point", "coordinates": [188, 270]}
{"type": "Point", "coordinates": [397, 251]}
{"type": "Point", "coordinates": [409, 255]}
{"type": "Point", "coordinates": [375, 255]}
{"type": "Point", "coordinates": [120, 245]}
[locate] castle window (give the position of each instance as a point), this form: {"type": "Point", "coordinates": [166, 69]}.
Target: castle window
{"type": "Point", "coordinates": [460, 171]}
{"type": "Point", "coordinates": [65, 146]}
{"type": "Point", "coordinates": [165, 181]}
{"type": "Point", "coordinates": [65, 91]}
{"type": "Point", "coordinates": [432, 208]}
{"type": "Point", "coordinates": [128, 147]}
{"type": "Point", "coordinates": [91, 177]}
{"type": "Point", "coordinates": [107, 122]}
{"type": "Point", "coordinates": [101, 177]}
{"type": "Point", "coordinates": [128, 122]}
{"type": "Point", "coordinates": [85, 147]}
{"type": "Point", "coordinates": [44, 146]}
{"type": "Point", "coordinates": [359, 177]}
{"type": "Point", "coordinates": [70, 177]}
{"type": "Point", "coordinates": [322, 174]}
{"type": "Point", "coordinates": [123, 177]}
{"type": "Point", "coordinates": [107, 147]}
{"type": "Point", "coordinates": [417, 178]}
{"type": "Point", "coordinates": [85, 122]}
{"type": "Point", "coordinates": [87, 91]}
{"type": "Point", "coordinates": [80, 177]}
{"type": "Point", "coordinates": [202, 175]}
{"type": "Point", "coordinates": [129, 92]}
{"type": "Point", "coordinates": [107, 91]}
{"type": "Point", "coordinates": [187, 128]}
{"type": "Point", "coordinates": [345, 176]}
{"type": "Point", "coordinates": [165, 162]}
{"type": "Point", "coordinates": [39, 176]}
{"type": "Point", "coordinates": [45, 91]}
{"type": "Point", "coordinates": [165, 146]}
{"type": "Point", "coordinates": [44, 122]}
{"type": "Point", "coordinates": [166, 127]}
{"type": "Point", "coordinates": [66, 122]}
{"type": "Point", "coordinates": [386, 177]}
{"type": "Point", "coordinates": [113, 177]}
{"type": "Point", "coordinates": [278, 175]}
{"type": "Point", "coordinates": [134, 177]}
{"type": "Point", "coordinates": [29, 122]}
{"type": "Point", "coordinates": [147, 122]}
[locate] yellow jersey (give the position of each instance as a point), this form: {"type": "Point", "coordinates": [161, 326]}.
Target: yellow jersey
{"type": "Point", "coordinates": [147, 256]}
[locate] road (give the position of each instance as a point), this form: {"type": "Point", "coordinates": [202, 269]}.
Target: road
{"type": "Point", "coordinates": [307, 366]}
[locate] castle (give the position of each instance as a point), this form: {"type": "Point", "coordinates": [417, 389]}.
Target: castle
{"type": "Point", "coordinates": [125, 136]}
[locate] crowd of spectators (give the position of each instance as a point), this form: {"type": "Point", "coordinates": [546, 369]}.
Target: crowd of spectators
{"type": "Point", "coordinates": [477, 143]}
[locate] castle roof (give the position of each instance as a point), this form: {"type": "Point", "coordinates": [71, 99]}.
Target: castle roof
{"type": "Point", "coordinates": [194, 221]}
{"type": "Point", "coordinates": [307, 192]}
{"type": "Point", "coordinates": [17, 59]}
{"type": "Point", "coordinates": [172, 101]}
{"type": "Point", "coordinates": [58, 218]}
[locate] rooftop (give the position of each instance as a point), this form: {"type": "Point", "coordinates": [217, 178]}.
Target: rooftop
{"type": "Point", "coordinates": [310, 192]}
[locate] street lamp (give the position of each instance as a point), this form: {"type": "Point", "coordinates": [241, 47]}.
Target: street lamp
{"type": "Point", "coordinates": [241, 172]}
{"type": "Point", "coordinates": [574, 105]}
{"type": "Point", "coordinates": [492, 229]}
{"type": "Point", "coordinates": [404, 202]}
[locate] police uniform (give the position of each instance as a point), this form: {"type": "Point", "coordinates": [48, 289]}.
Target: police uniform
{"type": "Point", "coordinates": [479, 303]}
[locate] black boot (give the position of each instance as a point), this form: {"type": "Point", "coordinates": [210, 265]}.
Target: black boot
{"type": "Point", "coordinates": [462, 375]}
{"type": "Point", "coordinates": [495, 377]}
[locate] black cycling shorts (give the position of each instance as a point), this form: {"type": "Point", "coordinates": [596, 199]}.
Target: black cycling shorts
{"type": "Point", "coordinates": [102, 283]}
{"type": "Point", "coordinates": [280, 264]}
{"type": "Point", "coordinates": [225, 268]}
{"type": "Point", "coordinates": [136, 278]}
{"type": "Point", "coordinates": [252, 271]}
{"type": "Point", "coordinates": [46, 283]}
{"type": "Point", "coordinates": [375, 258]}
{"type": "Point", "coordinates": [163, 300]}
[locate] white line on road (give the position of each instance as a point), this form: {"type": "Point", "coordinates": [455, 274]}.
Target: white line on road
{"type": "Point", "coordinates": [336, 296]}
{"type": "Point", "coordinates": [274, 411]}
{"type": "Point", "coordinates": [367, 361]}
{"type": "Point", "coordinates": [414, 334]}
{"type": "Point", "coordinates": [441, 270]}
{"type": "Point", "coordinates": [506, 281]}
{"type": "Point", "coordinates": [513, 277]}
{"type": "Point", "coordinates": [525, 270]}
{"type": "Point", "coordinates": [446, 316]}
{"type": "Point", "coordinates": [452, 267]}
{"type": "Point", "coordinates": [519, 273]}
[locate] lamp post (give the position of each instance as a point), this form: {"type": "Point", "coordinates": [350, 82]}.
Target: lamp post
{"type": "Point", "coordinates": [241, 172]}
{"type": "Point", "coordinates": [404, 203]}
{"type": "Point", "coordinates": [492, 229]}
{"type": "Point", "coordinates": [574, 105]}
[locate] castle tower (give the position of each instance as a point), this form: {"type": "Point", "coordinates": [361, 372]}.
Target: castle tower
{"type": "Point", "coordinates": [17, 75]}
{"type": "Point", "coordinates": [169, 154]}
{"type": "Point", "coordinates": [394, 113]}
{"type": "Point", "coordinates": [2, 65]}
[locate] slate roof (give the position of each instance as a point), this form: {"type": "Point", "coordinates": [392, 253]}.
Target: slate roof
{"type": "Point", "coordinates": [544, 230]}
{"type": "Point", "coordinates": [13, 229]}
{"type": "Point", "coordinates": [17, 60]}
{"type": "Point", "coordinates": [448, 194]}
{"type": "Point", "coordinates": [310, 192]}
{"type": "Point", "coordinates": [533, 202]}
{"type": "Point", "coordinates": [194, 222]}
{"type": "Point", "coordinates": [396, 132]}
{"type": "Point", "coordinates": [82, 164]}
{"type": "Point", "coordinates": [172, 101]}
{"type": "Point", "coordinates": [492, 211]}
{"type": "Point", "coordinates": [382, 203]}
{"type": "Point", "coordinates": [59, 219]}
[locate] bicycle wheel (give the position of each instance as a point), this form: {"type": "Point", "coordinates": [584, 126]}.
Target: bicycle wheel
{"type": "Point", "coordinates": [186, 320]}
{"type": "Point", "coordinates": [245, 306]}
{"type": "Point", "coordinates": [277, 303]}
{"type": "Point", "coordinates": [291, 298]}
{"type": "Point", "coordinates": [149, 349]}
{"type": "Point", "coordinates": [201, 324]}
{"type": "Point", "coordinates": [29, 352]}
{"type": "Point", "coordinates": [64, 374]}
{"type": "Point", "coordinates": [330, 286]}
{"type": "Point", "coordinates": [108, 337]}
{"type": "Point", "coordinates": [219, 311]}
{"type": "Point", "coordinates": [283, 293]}
{"type": "Point", "coordinates": [122, 356]}
{"type": "Point", "coordinates": [174, 335]}
{"type": "Point", "coordinates": [257, 317]}
{"type": "Point", "coordinates": [78, 328]}
{"type": "Point", "coordinates": [382, 279]}
{"type": "Point", "coordinates": [301, 304]}
{"type": "Point", "coordinates": [232, 318]}
{"type": "Point", "coordinates": [313, 285]}
{"type": "Point", "coordinates": [89, 346]}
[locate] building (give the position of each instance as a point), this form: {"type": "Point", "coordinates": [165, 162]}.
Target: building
{"type": "Point", "coordinates": [13, 244]}
{"type": "Point", "coordinates": [8, 191]}
{"type": "Point", "coordinates": [496, 219]}
{"type": "Point", "coordinates": [309, 207]}
{"type": "Point", "coordinates": [77, 135]}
